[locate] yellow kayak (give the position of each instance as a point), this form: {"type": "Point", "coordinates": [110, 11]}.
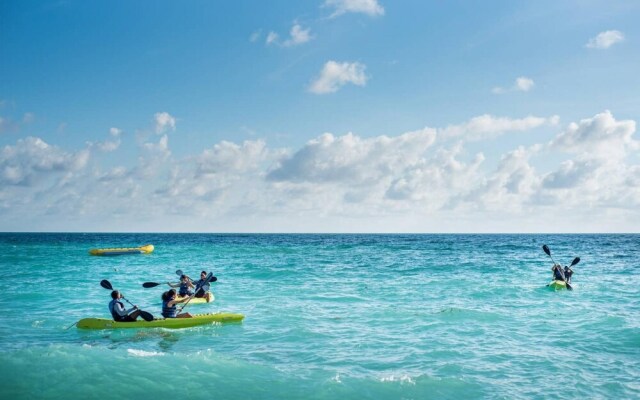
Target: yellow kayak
{"type": "Point", "coordinates": [146, 249]}
{"type": "Point", "coordinates": [171, 323]}
{"type": "Point", "coordinates": [197, 300]}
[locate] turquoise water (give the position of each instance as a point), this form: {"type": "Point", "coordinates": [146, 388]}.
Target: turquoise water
{"type": "Point", "coordinates": [327, 317]}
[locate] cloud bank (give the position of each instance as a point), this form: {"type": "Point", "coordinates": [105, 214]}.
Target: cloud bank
{"type": "Point", "coordinates": [422, 180]}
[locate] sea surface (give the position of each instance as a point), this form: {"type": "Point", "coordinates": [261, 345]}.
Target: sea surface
{"type": "Point", "coordinates": [327, 317]}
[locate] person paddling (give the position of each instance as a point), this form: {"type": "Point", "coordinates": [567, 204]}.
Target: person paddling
{"type": "Point", "coordinates": [202, 288]}
{"type": "Point", "coordinates": [185, 286]}
{"type": "Point", "coordinates": [558, 273]}
{"type": "Point", "coordinates": [118, 312]}
{"type": "Point", "coordinates": [568, 272]}
{"type": "Point", "coordinates": [169, 308]}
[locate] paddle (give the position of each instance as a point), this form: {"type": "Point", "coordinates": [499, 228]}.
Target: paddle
{"type": "Point", "coordinates": [145, 315]}
{"type": "Point", "coordinates": [154, 284]}
{"type": "Point", "coordinates": [546, 250]}
{"type": "Point", "coordinates": [209, 278]}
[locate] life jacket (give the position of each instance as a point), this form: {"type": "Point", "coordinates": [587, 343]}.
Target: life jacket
{"type": "Point", "coordinates": [169, 312]}
{"type": "Point", "coordinates": [199, 285]}
{"type": "Point", "coordinates": [567, 274]}
{"type": "Point", "coordinates": [184, 290]}
{"type": "Point", "coordinates": [112, 309]}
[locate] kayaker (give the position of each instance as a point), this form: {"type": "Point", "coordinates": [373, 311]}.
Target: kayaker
{"type": "Point", "coordinates": [169, 308]}
{"type": "Point", "coordinates": [118, 312]}
{"type": "Point", "coordinates": [557, 272]}
{"type": "Point", "coordinates": [185, 285]}
{"type": "Point", "coordinates": [567, 273]}
{"type": "Point", "coordinates": [202, 289]}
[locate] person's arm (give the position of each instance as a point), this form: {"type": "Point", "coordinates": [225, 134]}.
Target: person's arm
{"type": "Point", "coordinates": [119, 309]}
{"type": "Point", "coordinates": [176, 301]}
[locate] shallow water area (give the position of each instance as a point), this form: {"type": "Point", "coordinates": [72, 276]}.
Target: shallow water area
{"type": "Point", "coordinates": [326, 317]}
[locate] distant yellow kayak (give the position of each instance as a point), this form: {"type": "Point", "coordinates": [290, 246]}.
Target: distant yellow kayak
{"type": "Point", "coordinates": [146, 249]}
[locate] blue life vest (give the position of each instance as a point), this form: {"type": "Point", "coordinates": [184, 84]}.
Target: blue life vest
{"type": "Point", "coordinates": [184, 290]}
{"type": "Point", "coordinates": [112, 310]}
{"type": "Point", "coordinates": [199, 285]}
{"type": "Point", "coordinates": [169, 312]}
{"type": "Point", "coordinates": [557, 274]}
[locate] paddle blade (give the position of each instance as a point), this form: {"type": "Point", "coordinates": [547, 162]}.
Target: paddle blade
{"type": "Point", "coordinates": [179, 272]}
{"type": "Point", "coordinates": [213, 279]}
{"type": "Point", "coordinates": [575, 261]}
{"type": "Point", "coordinates": [146, 316]}
{"type": "Point", "coordinates": [106, 284]}
{"type": "Point", "coordinates": [546, 249]}
{"type": "Point", "coordinates": [150, 284]}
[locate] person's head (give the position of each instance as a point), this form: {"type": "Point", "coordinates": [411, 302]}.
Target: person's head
{"type": "Point", "coordinates": [184, 278]}
{"type": "Point", "coordinates": [115, 295]}
{"type": "Point", "coordinates": [169, 295]}
{"type": "Point", "coordinates": [203, 274]}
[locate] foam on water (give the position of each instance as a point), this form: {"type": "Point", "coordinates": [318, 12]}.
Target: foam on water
{"type": "Point", "coordinates": [327, 316]}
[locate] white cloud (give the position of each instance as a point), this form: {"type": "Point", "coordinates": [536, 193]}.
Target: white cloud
{"type": "Point", "coordinates": [522, 84]}
{"type": "Point", "coordinates": [298, 35]}
{"type": "Point", "coordinates": [350, 158]}
{"type": "Point", "coordinates": [272, 37]}
{"type": "Point", "coordinates": [32, 159]}
{"type": "Point", "coordinates": [605, 39]}
{"type": "Point", "coordinates": [369, 7]}
{"type": "Point", "coordinates": [227, 157]}
{"type": "Point", "coordinates": [164, 121]}
{"type": "Point", "coordinates": [115, 132]}
{"type": "Point", "coordinates": [488, 126]}
{"type": "Point", "coordinates": [334, 75]}
{"type": "Point", "coordinates": [598, 137]}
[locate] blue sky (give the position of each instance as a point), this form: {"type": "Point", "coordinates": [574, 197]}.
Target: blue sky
{"type": "Point", "coordinates": [319, 116]}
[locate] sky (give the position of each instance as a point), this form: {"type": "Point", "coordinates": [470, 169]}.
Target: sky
{"type": "Point", "coordinates": [328, 116]}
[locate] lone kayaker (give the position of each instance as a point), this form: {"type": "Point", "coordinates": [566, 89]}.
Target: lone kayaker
{"type": "Point", "coordinates": [202, 289]}
{"type": "Point", "coordinates": [169, 308]}
{"type": "Point", "coordinates": [185, 285]}
{"type": "Point", "coordinates": [118, 312]}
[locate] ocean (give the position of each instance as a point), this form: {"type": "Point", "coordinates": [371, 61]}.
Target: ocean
{"type": "Point", "coordinates": [326, 317]}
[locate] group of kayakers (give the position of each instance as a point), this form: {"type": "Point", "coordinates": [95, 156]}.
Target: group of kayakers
{"type": "Point", "coordinates": [170, 299]}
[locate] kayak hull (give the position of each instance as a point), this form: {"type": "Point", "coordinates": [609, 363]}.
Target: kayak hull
{"type": "Point", "coordinates": [198, 300]}
{"type": "Point", "coordinates": [557, 285]}
{"type": "Point", "coordinates": [170, 323]}
{"type": "Point", "coordinates": [146, 249]}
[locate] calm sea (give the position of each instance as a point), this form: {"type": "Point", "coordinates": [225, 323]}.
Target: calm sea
{"type": "Point", "coordinates": [327, 317]}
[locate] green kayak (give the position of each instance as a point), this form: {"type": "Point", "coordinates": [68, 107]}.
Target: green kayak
{"type": "Point", "coordinates": [557, 285]}
{"type": "Point", "coordinates": [171, 323]}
